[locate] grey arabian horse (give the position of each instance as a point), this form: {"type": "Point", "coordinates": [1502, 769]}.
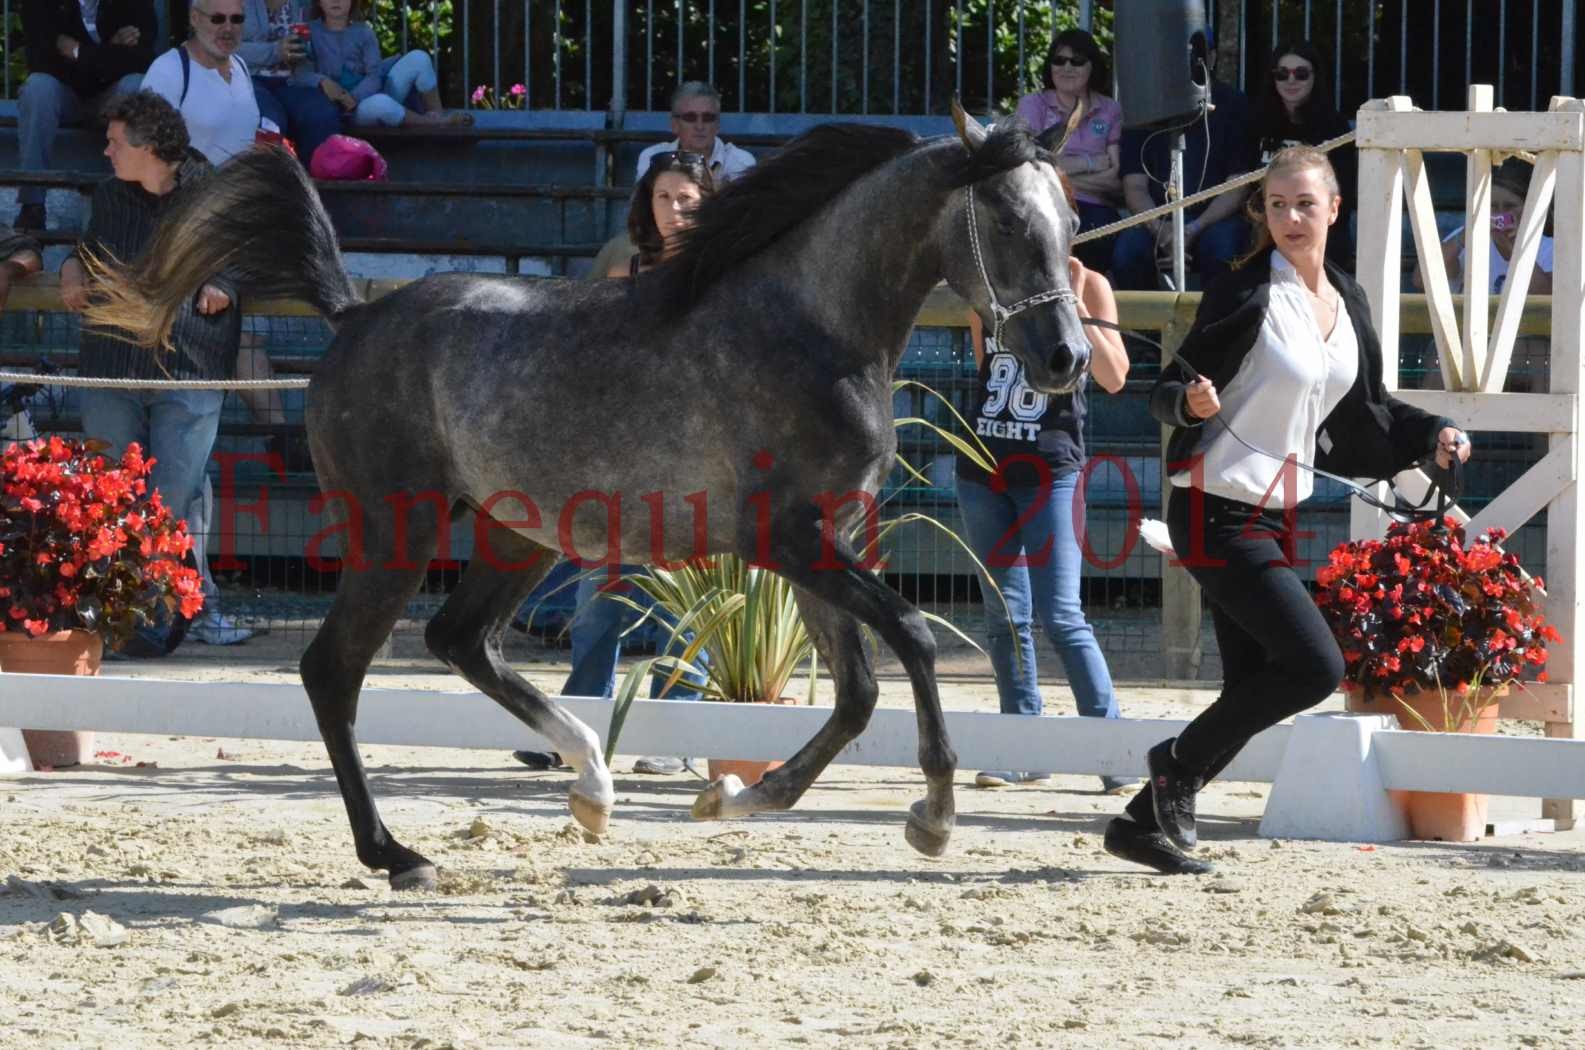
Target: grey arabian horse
{"type": "Point", "coordinates": [587, 418]}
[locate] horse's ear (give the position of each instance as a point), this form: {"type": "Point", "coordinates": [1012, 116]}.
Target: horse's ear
{"type": "Point", "coordinates": [971, 131]}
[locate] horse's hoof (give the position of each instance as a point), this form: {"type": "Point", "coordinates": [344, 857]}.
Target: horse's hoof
{"type": "Point", "coordinates": [932, 842]}
{"type": "Point", "coordinates": [420, 877]}
{"type": "Point", "coordinates": [713, 799]}
{"type": "Point", "coordinates": [594, 816]}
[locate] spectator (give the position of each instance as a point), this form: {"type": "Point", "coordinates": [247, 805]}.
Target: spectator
{"type": "Point", "coordinates": [1089, 127]}
{"type": "Point", "coordinates": [81, 55]}
{"type": "Point", "coordinates": [1023, 523]}
{"type": "Point", "coordinates": [671, 187]}
{"type": "Point", "coordinates": [1295, 109]}
{"type": "Point", "coordinates": [346, 67]}
{"type": "Point", "coordinates": [1529, 367]}
{"type": "Point", "coordinates": [20, 258]}
{"type": "Point", "coordinates": [150, 151]}
{"type": "Point", "coordinates": [217, 99]}
{"type": "Point", "coordinates": [1216, 148]}
{"type": "Point", "coordinates": [273, 53]}
{"type": "Point", "coordinates": [696, 121]}
{"type": "Point", "coordinates": [208, 84]}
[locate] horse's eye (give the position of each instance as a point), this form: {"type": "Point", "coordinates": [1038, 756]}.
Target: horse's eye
{"type": "Point", "coordinates": [1004, 228]}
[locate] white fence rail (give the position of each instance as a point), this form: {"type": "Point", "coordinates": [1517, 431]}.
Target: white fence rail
{"type": "Point", "coordinates": [1530, 767]}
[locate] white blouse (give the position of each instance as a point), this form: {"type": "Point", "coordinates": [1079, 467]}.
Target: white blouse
{"type": "Point", "coordinates": [1289, 382]}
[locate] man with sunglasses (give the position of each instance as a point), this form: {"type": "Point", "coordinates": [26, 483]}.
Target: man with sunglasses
{"type": "Point", "coordinates": [696, 121]}
{"type": "Point", "coordinates": [81, 55]}
{"type": "Point", "coordinates": [208, 83]}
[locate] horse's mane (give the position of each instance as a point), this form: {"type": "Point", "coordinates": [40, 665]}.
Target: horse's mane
{"type": "Point", "coordinates": [774, 197]}
{"type": "Point", "coordinates": [758, 207]}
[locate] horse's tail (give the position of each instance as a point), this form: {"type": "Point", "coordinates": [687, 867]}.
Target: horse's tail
{"type": "Point", "coordinates": [258, 218]}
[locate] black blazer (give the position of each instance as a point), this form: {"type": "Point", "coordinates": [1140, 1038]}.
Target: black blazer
{"type": "Point", "coordinates": [1370, 434]}
{"type": "Point", "coordinates": [98, 65]}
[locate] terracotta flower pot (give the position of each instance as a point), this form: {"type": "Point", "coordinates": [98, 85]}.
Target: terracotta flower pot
{"type": "Point", "coordinates": [63, 652]}
{"type": "Point", "coordinates": [749, 771]}
{"type": "Point", "coordinates": [1447, 816]}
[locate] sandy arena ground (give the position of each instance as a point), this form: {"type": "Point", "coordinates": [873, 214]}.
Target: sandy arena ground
{"type": "Point", "coordinates": [817, 928]}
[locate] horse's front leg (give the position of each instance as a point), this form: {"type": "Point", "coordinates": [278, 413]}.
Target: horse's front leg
{"type": "Point", "coordinates": [840, 642]}
{"type": "Point", "coordinates": [835, 576]}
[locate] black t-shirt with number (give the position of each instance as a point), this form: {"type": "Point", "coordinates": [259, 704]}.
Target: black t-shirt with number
{"type": "Point", "coordinates": [1012, 419]}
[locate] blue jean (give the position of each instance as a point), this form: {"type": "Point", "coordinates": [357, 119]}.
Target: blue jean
{"type": "Point", "coordinates": [176, 427]}
{"type": "Point", "coordinates": [402, 76]}
{"type": "Point", "coordinates": [43, 105]}
{"type": "Point", "coordinates": [597, 628]}
{"type": "Point", "coordinates": [1134, 254]}
{"type": "Point", "coordinates": [304, 114]}
{"type": "Point", "coordinates": [1038, 568]}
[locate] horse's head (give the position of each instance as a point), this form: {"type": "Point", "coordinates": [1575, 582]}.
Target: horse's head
{"type": "Point", "coordinates": [1007, 254]}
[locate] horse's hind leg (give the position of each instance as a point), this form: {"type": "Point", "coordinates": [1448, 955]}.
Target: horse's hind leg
{"type": "Point", "coordinates": [368, 603]}
{"type": "Point", "coordinates": [840, 642]}
{"type": "Point", "coordinates": [466, 635]}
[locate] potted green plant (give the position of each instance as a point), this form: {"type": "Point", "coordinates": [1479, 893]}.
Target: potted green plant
{"type": "Point", "coordinates": [1435, 631]}
{"type": "Point", "coordinates": [87, 555]}
{"type": "Point", "coordinates": [744, 617]}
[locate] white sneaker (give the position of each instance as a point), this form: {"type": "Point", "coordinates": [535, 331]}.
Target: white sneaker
{"type": "Point", "coordinates": [1000, 778]}
{"type": "Point", "coordinates": [216, 628]}
{"type": "Point", "coordinates": [657, 765]}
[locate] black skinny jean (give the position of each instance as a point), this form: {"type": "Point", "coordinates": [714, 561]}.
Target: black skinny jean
{"type": "Point", "coordinates": [1278, 654]}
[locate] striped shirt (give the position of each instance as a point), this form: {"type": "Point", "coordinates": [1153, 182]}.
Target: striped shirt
{"type": "Point", "coordinates": [124, 219]}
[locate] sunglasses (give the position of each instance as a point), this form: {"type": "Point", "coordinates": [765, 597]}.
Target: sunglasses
{"type": "Point", "coordinates": [1070, 60]}
{"type": "Point", "coordinates": [220, 20]}
{"type": "Point", "coordinates": [697, 118]}
{"type": "Point", "coordinates": [1282, 73]}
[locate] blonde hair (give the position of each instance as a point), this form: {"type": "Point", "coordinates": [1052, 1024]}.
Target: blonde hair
{"type": "Point", "coordinates": [1287, 161]}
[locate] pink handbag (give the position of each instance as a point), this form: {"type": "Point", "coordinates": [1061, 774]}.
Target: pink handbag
{"type": "Point", "coordinates": [346, 158]}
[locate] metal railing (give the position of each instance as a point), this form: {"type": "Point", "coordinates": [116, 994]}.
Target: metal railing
{"type": "Point", "coordinates": [912, 57]}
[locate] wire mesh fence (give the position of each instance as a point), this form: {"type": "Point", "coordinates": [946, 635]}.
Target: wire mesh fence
{"type": "Point", "coordinates": [273, 544]}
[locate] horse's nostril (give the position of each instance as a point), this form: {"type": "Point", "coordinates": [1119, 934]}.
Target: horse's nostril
{"type": "Point", "coordinates": [1061, 359]}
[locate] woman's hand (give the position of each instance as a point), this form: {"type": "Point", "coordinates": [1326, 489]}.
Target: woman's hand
{"type": "Point", "coordinates": [1450, 442]}
{"type": "Point", "coordinates": [290, 48]}
{"type": "Point", "coordinates": [212, 300]}
{"type": "Point", "coordinates": [1201, 399]}
{"type": "Point", "coordinates": [338, 94]}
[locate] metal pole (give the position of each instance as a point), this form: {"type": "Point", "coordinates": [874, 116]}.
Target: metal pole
{"type": "Point", "coordinates": [1086, 15]}
{"type": "Point", "coordinates": [618, 62]}
{"type": "Point", "coordinates": [1370, 69]}
{"type": "Point", "coordinates": [1502, 47]}
{"type": "Point", "coordinates": [1175, 193]}
{"type": "Point", "coordinates": [495, 48]}
{"type": "Point", "coordinates": [803, 56]}
{"type": "Point", "coordinates": [1570, 30]}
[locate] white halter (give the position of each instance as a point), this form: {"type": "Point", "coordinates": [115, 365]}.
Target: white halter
{"type": "Point", "coordinates": [999, 313]}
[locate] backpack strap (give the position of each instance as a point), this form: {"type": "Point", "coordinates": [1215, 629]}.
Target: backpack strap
{"type": "Point", "coordinates": [187, 72]}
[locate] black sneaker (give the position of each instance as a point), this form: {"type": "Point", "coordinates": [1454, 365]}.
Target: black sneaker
{"type": "Point", "coordinates": [540, 761]}
{"type": "Point", "coordinates": [1140, 845]}
{"type": "Point", "coordinates": [30, 217]}
{"type": "Point", "coordinates": [1172, 791]}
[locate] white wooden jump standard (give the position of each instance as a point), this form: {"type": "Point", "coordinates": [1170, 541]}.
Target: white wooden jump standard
{"type": "Point", "coordinates": [1392, 137]}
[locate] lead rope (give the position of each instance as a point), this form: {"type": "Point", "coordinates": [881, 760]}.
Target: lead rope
{"type": "Point", "coordinates": [1446, 486]}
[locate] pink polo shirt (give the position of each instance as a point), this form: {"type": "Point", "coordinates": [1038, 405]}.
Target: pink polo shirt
{"type": "Point", "coordinates": [1102, 126]}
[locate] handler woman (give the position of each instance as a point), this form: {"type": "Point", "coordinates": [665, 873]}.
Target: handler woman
{"type": "Point", "coordinates": [1283, 352]}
